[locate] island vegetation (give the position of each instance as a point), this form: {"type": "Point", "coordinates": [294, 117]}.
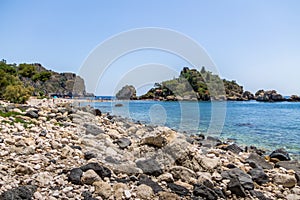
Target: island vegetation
{"type": "Point", "coordinates": [202, 85]}
{"type": "Point", "coordinates": [19, 82]}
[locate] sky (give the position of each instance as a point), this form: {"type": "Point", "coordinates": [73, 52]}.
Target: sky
{"type": "Point", "coordinates": [254, 42]}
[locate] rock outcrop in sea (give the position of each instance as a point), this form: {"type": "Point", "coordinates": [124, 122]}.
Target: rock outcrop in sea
{"type": "Point", "coordinates": [60, 151]}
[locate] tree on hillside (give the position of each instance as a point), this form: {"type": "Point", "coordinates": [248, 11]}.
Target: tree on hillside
{"type": "Point", "coordinates": [26, 70]}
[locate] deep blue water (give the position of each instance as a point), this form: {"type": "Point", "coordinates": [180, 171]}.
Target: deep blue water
{"type": "Point", "coordinates": [265, 125]}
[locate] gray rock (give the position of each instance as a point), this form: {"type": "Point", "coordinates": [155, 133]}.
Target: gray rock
{"type": "Point", "coordinates": [32, 114]}
{"type": "Point", "coordinates": [100, 170]}
{"type": "Point", "coordinates": [93, 129]}
{"type": "Point", "coordinates": [293, 164]}
{"type": "Point", "coordinates": [149, 166]}
{"type": "Point", "coordinates": [75, 176]}
{"type": "Point", "coordinates": [204, 192]}
{"type": "Point", "coordinates": [178, 189]}
{"type": "Point", "coordinates": [143, 179]}
{"type": "Point", "coordinates": [233, 148]}
{"type": "Point", "coordinates": [89, 155]}
{"type": "Point", "coordinates": [258, 160]}
{"type": "Point", "coordinates": [237, 174]}
{"type": "Point", "coordinates": [259, 176]}
{"type": "Point", "coordinates": [123, 142]}
{"type": "Point", "coordinates": [182, 173]}
{"type": "Point", "coordinates": [20, 193]}
{"type": "Point", "coordinates": [280, 154]}
{"type": "Point", "coordinates": [236, 187]}
{"type": "Point", "coordinates": [258, 195]}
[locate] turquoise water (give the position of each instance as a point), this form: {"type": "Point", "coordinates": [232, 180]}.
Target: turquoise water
{"type": "Point", "coordinates": [265, 125]}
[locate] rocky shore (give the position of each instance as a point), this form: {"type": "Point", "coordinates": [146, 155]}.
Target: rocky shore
{"type": "Point", "coordinates": [59, 151]}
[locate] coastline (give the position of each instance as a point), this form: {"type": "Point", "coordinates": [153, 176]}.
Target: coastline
{"type": "Point", "coordinates": [59, 151]}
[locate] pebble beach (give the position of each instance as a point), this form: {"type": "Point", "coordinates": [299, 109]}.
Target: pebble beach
{"type": "Point", "coordinates": [56, 150]}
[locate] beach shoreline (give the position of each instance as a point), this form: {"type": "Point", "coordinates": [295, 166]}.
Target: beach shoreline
{"type": "Point", "coordinates": [83, 152]}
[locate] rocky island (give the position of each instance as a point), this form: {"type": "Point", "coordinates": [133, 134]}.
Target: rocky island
{"type": "Point", "coordinates": [60, 151]}
{"type": "Point", "coordinates": [194, 85]}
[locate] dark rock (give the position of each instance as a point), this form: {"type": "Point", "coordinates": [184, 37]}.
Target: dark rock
{"type": "Point", "coordinates": [100, 170]}
{"type": "Point", "coordinates": [93, 129]}
{"type": "Point", "coordinates": [253, 149]}
{"type": "Point", "coordinates": [143, 179]}
{"type": "Point", "coordinates": [205, 192]}
{"type": "Point", "coordinates": [87, 196]}
{"type": "Point", "coordinates": [259, 176]}
{"type": "Point", "coordinates": [178, 189]}
{"type": "Point", "coordinates": [20, 193]}
{"type": "Point", "coordinates": [219, 193]}
{"type": "Point", "coordinates": [75, 176]}
{"type": "Point", "coordinates": [235, 187]}
{"type": "Point", "coordinates": [123, 142]}
{"type": "Point", "coordinates": [280, 154]}
{"type": "Point", "coordinates": [1, 140]}
{"type": "Point", "coordinates": [112, 160]}
{"type": "Point", "coordinates": [150, 167]}
{"type": "Point", "coordinates": [233, 148]}
{"type": "Point", "coordinates": [97, 112]}
{"type": "Point", "coordinates": [89, 155]}
{"type": "Point", "coordinates": [230, 166]}
{"type": "Point", "coordinates": [133, 178]}
{"type": "Point", "coordinates": [258, 195]}
{"type": "Point", "coordinates": [43, 133]}
{"type": "Point", "coordinates": [32, 114]}
{"type": "Point", "coordinates": [76, 147]}
{"type": "Point", "coordinates": [110, 117]}
{"type": "Point", "coordinates": [248, 95]}
{"type": "Point", "coordinates": [258, 160]}
{"type": "Point", "coordinates": [243, 178]}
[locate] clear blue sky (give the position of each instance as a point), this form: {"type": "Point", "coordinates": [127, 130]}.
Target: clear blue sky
{"type": "Point", "coordinates": [254, 42]}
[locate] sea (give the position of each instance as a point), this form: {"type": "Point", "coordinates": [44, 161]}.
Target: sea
{"type": "Point", "coordinates": [265, 125]}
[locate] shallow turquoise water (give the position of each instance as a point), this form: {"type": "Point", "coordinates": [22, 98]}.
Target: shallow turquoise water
{"type": "Point", "coordinates": [266, 125]}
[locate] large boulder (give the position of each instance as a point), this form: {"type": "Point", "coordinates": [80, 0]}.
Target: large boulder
{"type": "Point", "coordinates": [270, 95]}
{"type": "Point", "coordinates": [280, 155]}
{"type": "Point", "coordinates": [126, 93]}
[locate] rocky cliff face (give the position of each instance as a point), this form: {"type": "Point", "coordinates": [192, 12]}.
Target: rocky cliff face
{"type": "Point", "coordinates": [59, 84]}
